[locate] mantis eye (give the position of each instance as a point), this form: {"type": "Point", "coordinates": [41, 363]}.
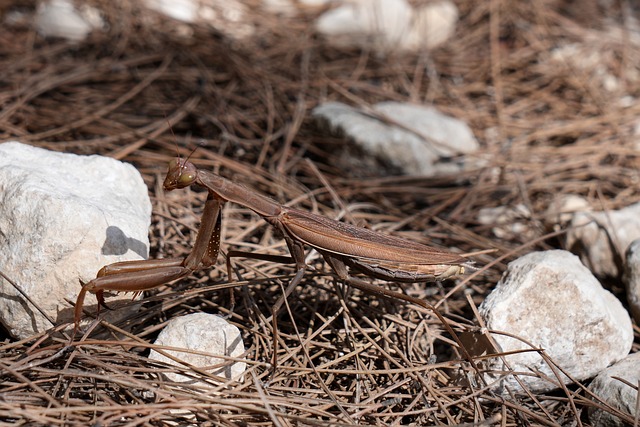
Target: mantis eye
{"type": "Point", "coordinates": [181, 174]}
{"type": "Point", "coordinates": [187, 177]}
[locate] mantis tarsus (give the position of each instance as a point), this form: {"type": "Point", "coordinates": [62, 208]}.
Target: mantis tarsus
{"type": "Point", "coordinates": [342, 245]}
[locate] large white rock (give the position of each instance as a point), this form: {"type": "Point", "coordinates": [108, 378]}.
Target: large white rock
{"type": "Point", "coordinates": [413, 138]}
{"type": "Point", "coordinates": [63, 217]}
{"type": "Point", "coordinates": [202, 333]}
{"type": "Point", "coordinates": [602, 238]}
{"type": "Point", "coordinates": [552, 301]}
{"type": "Point", "coordinates": [616, 385]}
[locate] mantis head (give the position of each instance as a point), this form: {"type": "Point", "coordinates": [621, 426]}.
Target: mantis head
{"type": "Point", "coordinates": [181, 174]}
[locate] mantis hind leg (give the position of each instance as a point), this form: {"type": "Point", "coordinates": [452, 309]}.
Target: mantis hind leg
{"type": "Point", "coordinates": [341, 270]}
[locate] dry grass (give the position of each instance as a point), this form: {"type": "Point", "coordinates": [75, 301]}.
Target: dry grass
{"type": "Point", "coordinates": [547, 126]}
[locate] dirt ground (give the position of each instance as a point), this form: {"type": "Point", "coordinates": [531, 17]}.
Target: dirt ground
{"type": "Point", "coordinates": [549, 88]}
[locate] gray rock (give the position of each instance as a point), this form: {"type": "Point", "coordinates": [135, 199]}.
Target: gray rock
{"type": "Point", "coordinates": [609, 387]}
{"type": "Point", "coordinates": [601, 238]}
{"type": "Point", "coordinates": [553, 302]}
{"type": "Point", "coordinates": [632, 278]}
{"type": "Point", "coordinates": [203, 333]}
{"type": "Point", "coordinates": [417, 139]}
{"type": "Point", "coordinates": [63, 217]}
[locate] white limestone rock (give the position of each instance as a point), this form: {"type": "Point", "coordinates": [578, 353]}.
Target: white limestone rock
{"type": "Point", "coordinates": [417, 139]}
{"type": "Point", "coordinates": [552, 301]}
{"type": "Point", "coordinates": [388, 25]}
{"type": "Point", "coordinates": [230, 17]}
{"type": "Point", "coordinates": [602, 238]}
{"type": "Point", "coordinates": [203, 333]}
{"type": "Point", "coordinates": [62, 218]}
{"type": "Point", "coordinates": [562, 209]}
{"type": "Point", "coordinates": [432, 25]}
{"type": "Point", "coordinates": [292, 7]}
{"type": "Point", "coordinates": [508, 222]}
{"type": "Point", "coordinates": [61, 18]}
{"type": "Point", "coordinates": [381, 24]}
{"type": "Point", "coordinates": [592, 59]}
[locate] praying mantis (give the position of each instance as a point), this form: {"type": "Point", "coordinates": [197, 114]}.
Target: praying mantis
{"type": "Point", "coordinates": [344, 247]}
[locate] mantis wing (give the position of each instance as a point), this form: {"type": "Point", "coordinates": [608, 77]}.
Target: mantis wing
{"type": "Point", "coordinates": [341, 238]}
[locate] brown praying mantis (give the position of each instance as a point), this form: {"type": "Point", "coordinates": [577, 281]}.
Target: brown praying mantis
{"type": "Point", "coordinates": [345, 247]}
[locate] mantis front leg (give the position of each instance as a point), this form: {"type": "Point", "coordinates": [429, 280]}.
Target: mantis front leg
{"type": "Point", "coordinates": [137, 276]}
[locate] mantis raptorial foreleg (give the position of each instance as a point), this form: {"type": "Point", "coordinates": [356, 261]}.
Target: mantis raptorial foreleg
{"type": "Point", "coordinates": [138, 276]}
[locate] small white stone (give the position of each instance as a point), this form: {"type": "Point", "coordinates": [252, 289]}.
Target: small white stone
{"type": "Point", "coordinates": [291, 7]}
{"type": "Point", "coordinates": [553, 302]}
{"type": "Point", "coordinates": [285, 7]}
{"type": "Point", "coordinates": [62, 218]}
{"type": "Point", "coordinates": [389, 25]}
{"type": "Point", "coordinates": [381, 24]}
{"type": "Point", "coordinates": [60, 18]}
{"type": "Point", "coordinates": [590, 58]}
{"type": "Point", "coordinates": [414, 138]}
{"type": "Point", "coordinates": [601, 238]}
{"type": "Point", "coordinates": [182, 10]}
{"type": "Point", "coordinates": [227, 16]}
{"type": "Point", "coordinates": [562, 209]}
{"type": "Point", "coordinates": [508, 222]}
{"type": "Point", "coordinates": [204, 333]}
{"type": "Point", "coordinates": [624, 397]}
{"type": "Point", "coordinates": [432, 25]}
